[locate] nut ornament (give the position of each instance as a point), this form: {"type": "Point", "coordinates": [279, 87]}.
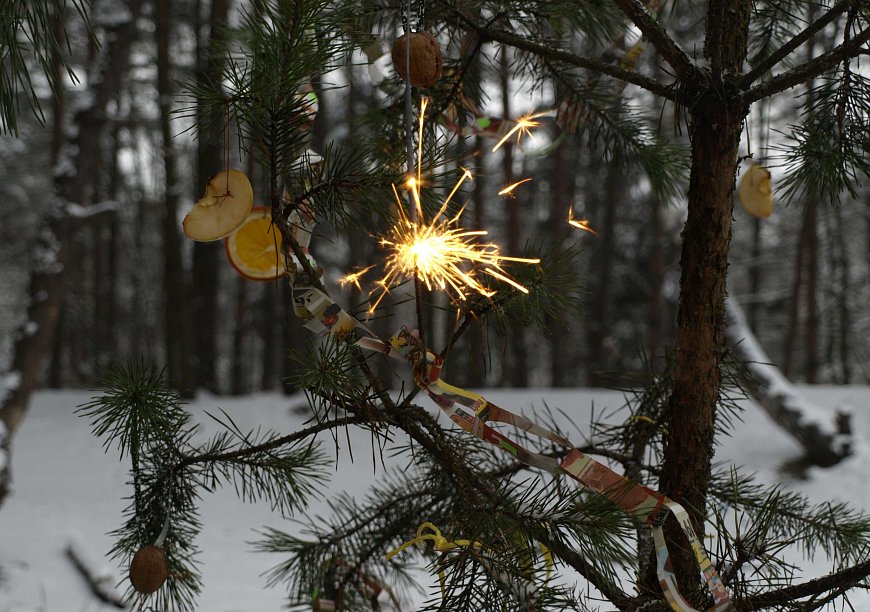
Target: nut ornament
{"type": "Point", "coordinates": [149, 569]}
{"type": "Point", "coordinates": [426, 59]}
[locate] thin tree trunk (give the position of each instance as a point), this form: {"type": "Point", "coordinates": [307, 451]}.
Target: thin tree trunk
{"type": "Point", "coordinates": [842, 296]}
{"type": "Point", "coordinates": [811, 324]}
{"type": "Point", "coordinates": [791, 334]}
{"type": "Point", "coordinates": [175, 304]}
{"type": "Point", "coordinates": [239, 360]}
{"type": "Point", "coordinates": [754, 275]}
{"type": "Point", "coordinates": [52, 264]}
{"type": "Point", "coordinates": [206, 277]}
{"type": "Point", "coordinates": [562, 194]}
{"type": "Point", "coordinates": [656, 307]}
{"type": "Point", "coordinates": [515, 367]}
{"type": "Point", "coordinates": [598, 323]}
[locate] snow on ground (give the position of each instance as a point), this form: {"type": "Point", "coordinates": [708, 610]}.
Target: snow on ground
{"type": "Point", "coordinates": [67, 489]}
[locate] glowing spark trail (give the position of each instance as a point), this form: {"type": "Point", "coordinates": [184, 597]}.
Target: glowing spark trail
{"type": "Point", "coordinates": [509, 189]}
{"type": "Point", "coordinates": [580, 223]}
{"type": "Point", "coordinates": [522, 128]}
{"type": "Point", "coordinates": [353, 278]}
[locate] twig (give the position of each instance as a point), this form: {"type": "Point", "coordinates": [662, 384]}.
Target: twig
{"type": "Point", "coordinates": [780, 54]}
{"type": "Point", "coordinates": [809, 70]}
{"type": "Point", "coordinates": [559, 55]}
{"type": "Point", "coordinates": [663, 43]}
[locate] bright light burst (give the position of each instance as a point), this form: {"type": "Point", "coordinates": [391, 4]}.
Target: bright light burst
{"type": "Point", "coordinates": [522, 128]}
{"type": "Point", "coordinates": [439, 252]}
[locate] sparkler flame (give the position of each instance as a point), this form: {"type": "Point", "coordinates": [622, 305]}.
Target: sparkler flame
{"type": "Point", "coordinates": [441, 253]}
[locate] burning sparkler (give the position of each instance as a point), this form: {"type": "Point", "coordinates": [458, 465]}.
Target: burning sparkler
{"type": "Point", "coordinates": [440, 252]}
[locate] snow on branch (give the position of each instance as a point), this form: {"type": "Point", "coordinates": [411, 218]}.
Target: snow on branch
{"type": "Point", "coordinates": [826, 438]}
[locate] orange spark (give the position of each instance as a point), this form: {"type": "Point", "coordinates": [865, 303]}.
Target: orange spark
{"type": "Point", "coordinates": [580, 223]}
{"type": "Point", "coordinates": [353, 278]}
{"type": "Point", "coordinates": [521, 128]}
{"type": "Point", "coordinates": [507, 190]}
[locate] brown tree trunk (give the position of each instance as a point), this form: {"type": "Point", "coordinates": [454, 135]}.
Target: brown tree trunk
{"type": "Point", "coordinates": [52, 257]}
{"type": "Point", "coordinates": [562, 195]}
{"type": "Point", "coordinates": [811, 324]}
{"type": "Point", "coordinates": [515, 367]}
{"type": "Point", "coordinates": [175, 305]}
{"type": "Point", "coordinates": [206, 277]}
{"type": "Point", "coordinates": [715, 128]}
{"type": "Point", "coordinates": [656, 305]}
{"type": "Point", "coordinates": [598, 322]}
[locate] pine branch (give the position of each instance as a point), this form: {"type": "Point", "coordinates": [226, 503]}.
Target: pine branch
{"type": "Point", "coordinates": [558, 55]}
{"type": "Point", "coordinates": [813, 68]}
{"type": "Point", "coordinates": [248, 451]}
{"type": "Point", "coordinates": [845, 578]}
{"type": "Point", "coordinates": [638, 14]}
{"type": "Point", "coordinates": [780, 54]}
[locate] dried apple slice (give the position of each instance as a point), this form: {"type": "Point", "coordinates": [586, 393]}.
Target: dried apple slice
{"type": "Point", "coordinates": [226, 203]}
{"type": "Point", "coordinates": [755, 193]}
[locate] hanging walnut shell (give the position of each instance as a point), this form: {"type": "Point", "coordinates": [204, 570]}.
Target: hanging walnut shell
{"type": "Point", "coordinates": [426, 59]}
{"type": "Point", "coordinates": [149, 569]}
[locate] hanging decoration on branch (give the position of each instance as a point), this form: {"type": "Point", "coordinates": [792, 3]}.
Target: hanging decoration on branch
{"type": "Point", "coordinates": [227, 200]}
{"type": "Point", "coordinates": [427, 533]}
{"type": "Point", "coordinates": [755, 193]}
{"type": "Point", "coordinates": [149, 567]}
{"type": "Point", "coordinates": [255, 249]}
{"type": "Point", "coordinates": [418, 59]}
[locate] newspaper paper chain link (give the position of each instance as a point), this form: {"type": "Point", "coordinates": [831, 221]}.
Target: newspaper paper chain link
{"type": "Point", "coordinates": [471, 412]}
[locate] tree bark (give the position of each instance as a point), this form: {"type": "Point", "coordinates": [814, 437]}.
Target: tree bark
{"type": "Point", "coordinates": [175, 303]}
{"type": "Point", "coordinates": [206, 277]}
{"type": "Point", "coordinates": [599, 319]}
{"type": "Point", "coordinates": [715, 127]}
{"type": "Point", "coordinates": [515, 367]}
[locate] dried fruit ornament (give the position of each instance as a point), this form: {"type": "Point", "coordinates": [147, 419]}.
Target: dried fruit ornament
{"type": "Point", "coordinates": [425, 57]}
{"type": "Point", "coordinates": [755, 193]}
{"type": "Point", "coordinates": [227, 200]}
{"type": "Point", "coordinates": [255, 247]}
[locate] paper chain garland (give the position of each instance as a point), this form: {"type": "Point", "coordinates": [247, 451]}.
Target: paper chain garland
{"type": "Point", "coordinates": [472, 412]}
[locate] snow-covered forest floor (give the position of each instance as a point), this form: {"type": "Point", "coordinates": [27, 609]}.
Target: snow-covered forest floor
{"type": "Point", "coordinates": [68, 491]}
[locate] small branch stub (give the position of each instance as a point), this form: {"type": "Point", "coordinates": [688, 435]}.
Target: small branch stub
{"type": "Point", "coordinates": [426, 59]}
{"type": "Point", "coordinates": [149, 569]}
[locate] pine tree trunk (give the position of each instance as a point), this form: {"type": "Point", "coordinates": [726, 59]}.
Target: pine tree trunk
{"type": "Point", "coordinates": [598, 322]}
{"type": "Point", "coordinates": [656, 303]}
{"type": "Point", "coordinates": [562, 194]}
{"type": "Point", "coordinates": [206, 278]}
{"type": "Point", "coordinates": [175, 304]}
{"type": "Point", "coordinates": [715, 128]}
{"type": "Point", "coordinates": [515, 368]}
{"type": "Point", "coordinates": [811, 324]}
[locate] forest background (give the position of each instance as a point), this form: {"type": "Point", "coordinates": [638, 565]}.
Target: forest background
{"type": "Point", "coordinates": [615, 157]}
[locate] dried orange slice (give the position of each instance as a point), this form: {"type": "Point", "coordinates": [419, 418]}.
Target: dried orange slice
{"type": "Point", "coordinates": [254, 248]}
